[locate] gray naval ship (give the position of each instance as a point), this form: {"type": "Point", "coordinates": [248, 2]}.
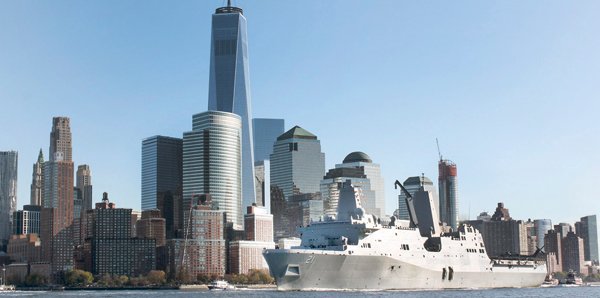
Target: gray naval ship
{"type": "Point", "coordinates": [358, 251]}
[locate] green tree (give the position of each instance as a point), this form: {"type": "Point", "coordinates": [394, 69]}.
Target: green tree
{"type": "Point", "coordinates": [77, 278]}
{"type": "Point", "coordinates": [35, 280]}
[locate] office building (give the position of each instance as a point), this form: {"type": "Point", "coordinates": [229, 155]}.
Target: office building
{"type": "Point", "coordinates": [542, 226]}
{"type": "Point", "coordinates": [25, 248]}
{"type": "Point", "coordinates": [8, 193]}
{"type": "Point", "coordinates": [37, 181]}
{"type": "Point", "coordinates": [553, 250]}
{"type": "Point", "coordinates": [229, 84]}
{"type": "Point", "coordinates": [258, 224]}
{"type": "Point", "coordinates": [27, 221]}
{"type": "Point", "coordinates": [563, 229]}
{"type": "Point", "coordinates": [297, 211]}
{"type": "Point", "coordinates": [84, 186]}
{"type": "Point", "coordinates": [262, 170]}
{"type": "Point", "coordinates": [364, 174]}
{"type": "Point", "coordinates": [162, 179]}
{"type": "Point", "coordinates": [448, 193]}
{"type": "Point", "coordinates": [212, 163]}
{"type": "Point", "coordinates": [266, 132]}
{"type": "Point", "coordinates": [412, 184]}
{"type": "Point", "coordinates": [297, 163]}
{"type": "Point", "coordinates": [588, 231]}
{"type": "Point", "coordinates": [113, 250]}
{"type": "Point", "coordinates": [56, 218]}
{"type": "Point", "coordinates": [573, 253]}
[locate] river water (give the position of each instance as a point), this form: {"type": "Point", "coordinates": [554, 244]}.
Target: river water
{"type": "Point", "coordinates": [568, 292]}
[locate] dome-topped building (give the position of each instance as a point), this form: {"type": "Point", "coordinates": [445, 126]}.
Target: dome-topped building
{"type": "Point", "coordinates": [357, 156]}
{"type": "Point", "coordinates": [364, 174]}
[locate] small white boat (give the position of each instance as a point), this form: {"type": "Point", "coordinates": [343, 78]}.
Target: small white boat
{"type": "Point", "coordinates": [220, 285]}
{"type": "Point", "coordinates": [7, 288]}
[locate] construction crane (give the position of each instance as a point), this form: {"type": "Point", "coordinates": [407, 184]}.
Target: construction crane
{"type": "Point", "coordinates": [438, 147]}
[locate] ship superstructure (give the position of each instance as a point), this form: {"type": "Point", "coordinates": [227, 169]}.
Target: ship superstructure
{"type": "Point", "coordinates": [357, 250]}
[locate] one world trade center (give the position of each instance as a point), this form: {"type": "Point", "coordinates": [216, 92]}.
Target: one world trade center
{"type": "Point", "coordinates": [229, 84]}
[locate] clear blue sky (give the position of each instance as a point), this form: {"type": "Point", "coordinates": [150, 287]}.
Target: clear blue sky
{"type": "Point", "coordinates": [510, 88]}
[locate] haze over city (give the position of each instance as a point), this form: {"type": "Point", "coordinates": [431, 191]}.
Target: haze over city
{"type": "Point", "coordinates": [509, 89]}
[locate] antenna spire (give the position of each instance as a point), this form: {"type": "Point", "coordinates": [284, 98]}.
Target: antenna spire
{"type": "Point", "coordinates": [228, 3]}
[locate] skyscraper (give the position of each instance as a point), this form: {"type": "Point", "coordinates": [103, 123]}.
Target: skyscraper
{"type": "Point", "coordinates": [448, 193]}
{"type": "Point", "coordinates": [212, 163]}
{"type": "Point", "coordinates": [57, 199]}
{"type": "Point", "coordinates": [229, 83]}
{"type": "Point", "coordinates": [573, 253]}
{"type": "Point", "coordinates": [297, 163]}
{"type": "Point", "coordinates": [364, 174]}
{"type": "Point", "coordinates": [542, 226]}
{"type": "Point", "coordinates": [84, 185]}
{"type": "Point", "coordinates": [162, 179]}
{"type": "Point", "coordinates": [37, 181]}
{"type": "Point", "coordinates": [412, 184]}
{"type": "Point", "coordinates": [8, 193]}
{"type": "Point", "coordinates": [266, 132]}
{"type": "Point", "coordinates": [60, 139]}
{"type": "Point", "coordinates": [587, 229]}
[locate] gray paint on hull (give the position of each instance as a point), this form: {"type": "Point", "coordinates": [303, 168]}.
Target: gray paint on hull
{"type": "Point", "coordinates": [341, 271]}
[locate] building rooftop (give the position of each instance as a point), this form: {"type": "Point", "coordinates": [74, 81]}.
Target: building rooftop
{"type": "Point", "coordinates": [297, 132]}
{"type": "Point", "coordinates": [416, 180]}
{"type": "Point", "coordinates": [357, 156]}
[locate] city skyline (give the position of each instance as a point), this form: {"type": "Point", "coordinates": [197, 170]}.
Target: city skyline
{"type": "Point", "coordinates": [516, 154]}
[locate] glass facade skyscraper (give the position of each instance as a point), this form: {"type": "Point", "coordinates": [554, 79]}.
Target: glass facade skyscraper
{"type": "Point", "coordinates": [229, 84]}
{"type": "Point", "coordinates": [8, 193]}
{"type": "Point", "coordinates": [297, 163]}
{"type": "Point", "coordinates": [266, 132]}
{"type": "Point", "coordinates": [448, 193]}
{"type": "Point", "coordinates": [162, 169]}
{"type": "Point", "coordinates": [412, 184]}
{"type": "Point", "coordinates": [212, 163]}
{"type": "Point", "coordinates": [542, 226]}
{"type": "Point", "coordinates": [588, 230]}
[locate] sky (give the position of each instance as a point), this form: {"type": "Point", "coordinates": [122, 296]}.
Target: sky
{"type": "Point", "coordinates": [510, 89]}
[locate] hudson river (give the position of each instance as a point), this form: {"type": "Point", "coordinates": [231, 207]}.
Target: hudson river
{"type": "Point", "coordinates": [569, 292]}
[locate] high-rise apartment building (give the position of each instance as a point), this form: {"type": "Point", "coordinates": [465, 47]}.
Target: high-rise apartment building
{"type": "Point", "coordinates": [245, 255]}
{"type": "Point", "coordinates": [364, 174]}
{"type": "Point", "coordinates": [229, 84]}
{"type": "Point", "coordinates": [212, 163]}
{"type": "Point", "coordinates": [112, 249]}
{"type": "Point", "coordinates": [8, 193]}
{"type": "Point", "coordinates": [27, 221]}
{"type": "Point", "coordinates": [84, 184]}
{"type": "Point", "coordinates": [57, 199]}
{"type": "Point", "coordinates": [266, 132]}
{"type": "Point", "coordinates": [162, 179]}
{"type": "Point", "coordinates": [502, 234]}
{"type": "Point", "coordinates": [202, 252]}
{"type": "Point", "coordinates": [448, 193]}
{"type": "Point", "coordinates": [297, 163]}
{"type": "Point", "coordinates": [152, 226]}
{"type": "Point", "coordinates": [37, 181]}
{"type": "Point", "coordinates": [412, 185]}
{"type": "Point", "coordinates": [573, 253]}
{"type": "Point", "coordinates": [587, 229]}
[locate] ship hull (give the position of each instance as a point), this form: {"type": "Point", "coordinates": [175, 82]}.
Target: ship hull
{"type": "Point", "coordinates": [309, 270]}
